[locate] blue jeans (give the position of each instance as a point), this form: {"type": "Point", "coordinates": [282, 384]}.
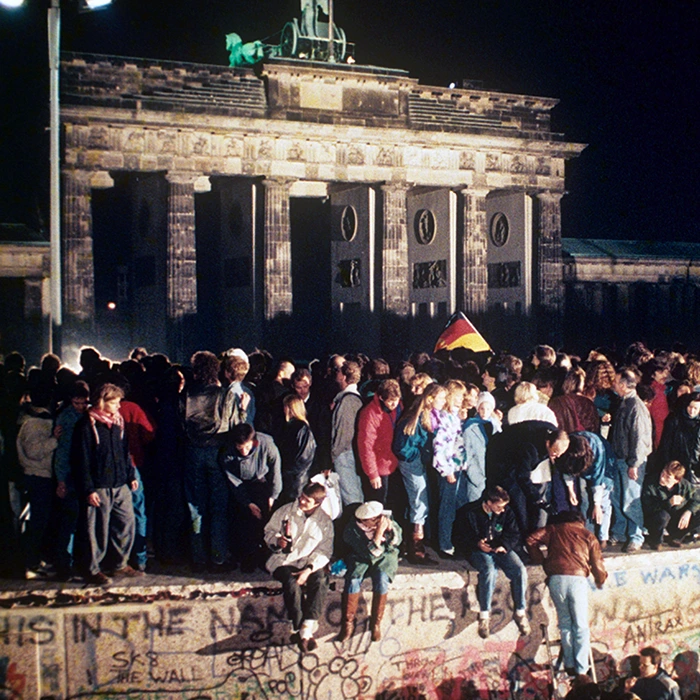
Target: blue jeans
{"type": "Point", "coordinates": [602, 531]}
{"type": "Point", "coordinates": [570, 597]}
{"type": "Point", "coordinates": [67, 523]}
{"type": "Point", "coordinates": [139, 554]}
{"type": "Point", "coordinates": [416, 484]}
{"type": "Point", "coordinates": [627, 505]}
{"type": "Point", "coordinates": [350, 484]}
{"type": "Point", "coordinates": [380, 582]}
{"type": "Point", "coordinates": [452, 497]}
{"type": "Point", "coordinates": [206, 491]}
{"type": "Point", "coordinates": [511, 565]}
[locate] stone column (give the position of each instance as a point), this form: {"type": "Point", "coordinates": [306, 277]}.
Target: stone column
{"type": "Point", "coordinates": [549, 263]}
{"type": "Point", "coordinates": [78, 269]}
{"type": "Point", "coordinates": [474, 251]}
{"type": "Point", "coordinates": [550, 282]}
{"type": "Point", "coordinates": [277, 268]}
{"type": "Point", "coordinates": [182, 255]}
{"type": "Point", "coordinates": [395, 274]}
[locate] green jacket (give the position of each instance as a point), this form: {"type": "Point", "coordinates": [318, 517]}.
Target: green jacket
{"type": "Point", "coordinates": [364, 555]}
{"type": "Point", "coordinates": [656, 498]}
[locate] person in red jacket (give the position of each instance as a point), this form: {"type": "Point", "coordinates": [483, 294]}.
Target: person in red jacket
{"type": "Point", "coordinates": [375, 433]}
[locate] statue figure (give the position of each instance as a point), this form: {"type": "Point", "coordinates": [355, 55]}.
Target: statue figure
{"type": "Point", "coordinates": [241, 54]}
{"type": "Point", "coordinates": [309, 15]}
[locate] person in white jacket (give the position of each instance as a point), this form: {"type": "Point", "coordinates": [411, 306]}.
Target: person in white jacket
{"type": "Point", "coordinates": [36, 443]}
{"type": "Point", "coordinates": [300, 536]}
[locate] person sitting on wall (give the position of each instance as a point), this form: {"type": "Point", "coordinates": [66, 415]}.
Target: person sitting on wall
{"type": "Point", "coordinates": [671, 504]}
{"type": "Point", "coordinates": [300, 536]}
{"type": "Point", "coordinates": [373, 538]}
{"type": "Point", "coordinates": [488, 530]}
{"type": "Point", "coordinates": [653, 682]}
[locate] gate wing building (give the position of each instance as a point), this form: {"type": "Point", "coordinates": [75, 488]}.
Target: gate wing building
{"type": "Point", "coordinates": [303, 206]}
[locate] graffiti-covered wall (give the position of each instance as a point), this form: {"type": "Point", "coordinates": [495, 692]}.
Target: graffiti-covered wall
{"type": "Point", "coordinates": [231, 640]}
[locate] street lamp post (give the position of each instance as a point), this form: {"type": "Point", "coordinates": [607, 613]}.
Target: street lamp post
{"type": "Point", "coordinates": [54, 26]}
{"type": "Point", "coordinates": [54, 36]}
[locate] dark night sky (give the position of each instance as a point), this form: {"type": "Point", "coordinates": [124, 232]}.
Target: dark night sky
{"type": "Point", "coordinates": [626, 74]}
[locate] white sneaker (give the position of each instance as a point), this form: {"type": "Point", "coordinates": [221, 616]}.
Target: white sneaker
{"type": "Point", "coordinates": [484, 627]}
{"type": "Point", "coordinates": [38, 574]}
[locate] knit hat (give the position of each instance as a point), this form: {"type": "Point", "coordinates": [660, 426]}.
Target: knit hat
{"type": "Point", "coordinates": [487, 398]}
{"type": "Point", "coordinates": [368, 510]}
{"type": "Point", "coordinates": [237, 352]}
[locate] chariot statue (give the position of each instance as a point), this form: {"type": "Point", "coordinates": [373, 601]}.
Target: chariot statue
{"type": "Point", "coordinates": [309, 37]}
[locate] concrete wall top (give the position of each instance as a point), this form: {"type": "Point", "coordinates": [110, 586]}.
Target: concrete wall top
{"type": "Point", "coordinates": [231, 639]}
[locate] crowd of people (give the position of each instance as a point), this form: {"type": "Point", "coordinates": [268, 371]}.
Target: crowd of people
{"type": "Point", "coordinates": [244, 460]}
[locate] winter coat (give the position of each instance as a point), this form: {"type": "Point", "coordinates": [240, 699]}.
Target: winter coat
{"type": "Point", "coordinates": [346, 406]}
{"type": "Point", "coordinates": [311, 536]}
{"type": "Point", "coordinates": [36, 443]}
{"type": "Point", "coordinates": [103, 459]}
{"type": "Point", "coordinates": [263, 465]}
{"type": "Point", "coordinates": [375, 434]}
{"type": "Point", "coordinates": [473, 523]}
{"type": "Point", "coordinates": [364, 555]}
{"type": "Point", "coordinates": [476, 435]}
{"type": "Point", "coordinates": [297, 448]}
{"type": "Point", "coordinates": [681, 441]}
{"type": "Point", "coordinates": [410, 448]}
{"type": "Point", "coordinates": [572, 550]}
{"type": "Point", "coordinates": [575, 412]}
{"type": "Point", "coordinates": [448, 445]}
{"type": "Point", "coordinates": [203, 406]}
{"type": "Point", "coordinates": [631, 434]}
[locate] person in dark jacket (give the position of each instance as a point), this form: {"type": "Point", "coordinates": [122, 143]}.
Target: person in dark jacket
{"type": "Point", "coordinates": [488, 530]}
{"type": "Point", "coordinates": [205, 485]}
{"type": "Point", "coordinates": [172, 523]}
{"type": "Point", "coordinates": [671, 504]}
{"type": "Point", "coordinates": [511, 458]}
{"type": "Point", "coordinates": [346, 405]}
{"type": "Point", "coordinates": [297, 447]}
{"type": "Point", "coordinates": [680, 439]}
{"type": "Point", "coordinates": [68, 505]}
{"type": "Point", "coordinates": [653, 682]}
{"type": "Point", "coordinates": [105, 477]}
{"type": "Point", "coordinates": [252, 464]}
{"type": "Point", "coordinates": [573, 553]}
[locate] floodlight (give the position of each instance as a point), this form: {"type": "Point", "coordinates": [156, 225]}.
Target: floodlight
{"type": "Point", "coordinates": [89, 5]}
{"type": "Point", "coordinates": [12, 4]}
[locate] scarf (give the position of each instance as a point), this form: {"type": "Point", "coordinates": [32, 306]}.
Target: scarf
{"type": "Point", "coordinates": [107, 419]}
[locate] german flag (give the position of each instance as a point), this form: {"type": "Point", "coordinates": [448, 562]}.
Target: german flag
{"type": "Point", "coordinates": [460, 333]}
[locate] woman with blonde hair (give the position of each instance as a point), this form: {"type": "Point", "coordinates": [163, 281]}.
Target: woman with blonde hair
{"type": "Point", "coordinates": [413, 446]}
{"type": "Point", "coordinates": [297, 447]}
{"type": "Point", "coordinates": [449, 461]}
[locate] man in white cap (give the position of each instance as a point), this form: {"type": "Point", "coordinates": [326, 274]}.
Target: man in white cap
{"type": "Point", "coordinates": [373, 538]}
